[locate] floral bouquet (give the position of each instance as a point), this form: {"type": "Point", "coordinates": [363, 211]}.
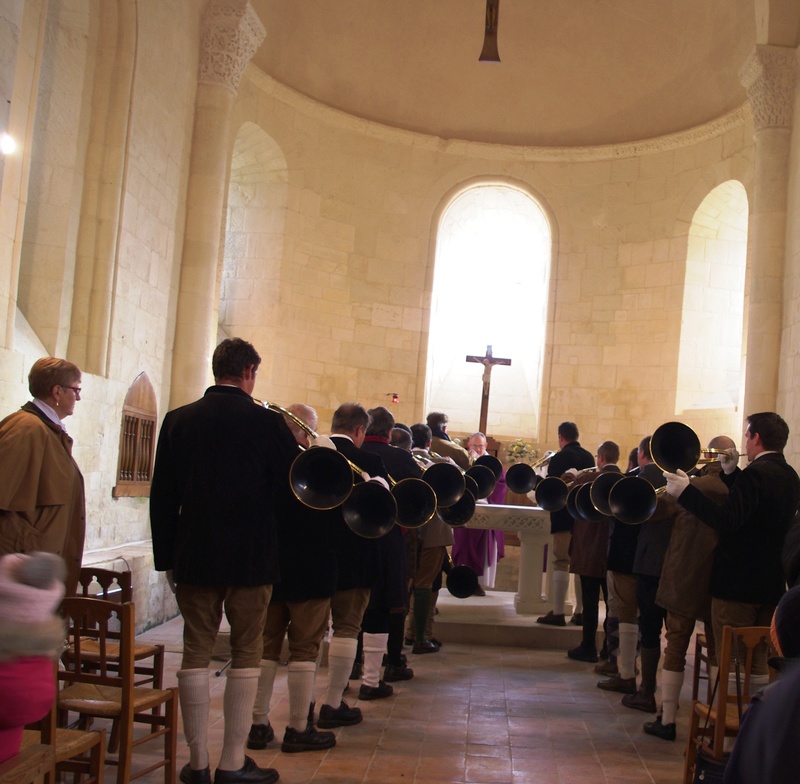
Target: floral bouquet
{"type": "Point", "coordinates": [519, 451]}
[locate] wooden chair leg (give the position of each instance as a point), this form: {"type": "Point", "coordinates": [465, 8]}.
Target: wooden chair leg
{"type": "Point", "coordinates": [691, 748]}
{"type": "Point", "coordinates": [171, 738]}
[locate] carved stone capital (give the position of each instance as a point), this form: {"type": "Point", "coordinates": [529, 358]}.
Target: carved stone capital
{"type": "Point", "coordinates": [232, 32]}
{"type": "Point", "coordinates": [769, 78]}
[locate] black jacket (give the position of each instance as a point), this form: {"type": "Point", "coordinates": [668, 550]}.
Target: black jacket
{"type": "Point", "coordinates": [752, 523]}
{"type": "Point", "coordinates": [218, 463]}
{"type": "Point", "coordinates": [572, 455]}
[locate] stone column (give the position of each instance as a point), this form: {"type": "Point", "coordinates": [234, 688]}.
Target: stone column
{"type": "Point", "coordinates": [769, 77]}
{"type": "Point", "coordinates": [232, 32]}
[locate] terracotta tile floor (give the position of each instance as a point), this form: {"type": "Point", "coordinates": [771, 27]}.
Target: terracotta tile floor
{"type": "Point", "coordinates": [472, 713]}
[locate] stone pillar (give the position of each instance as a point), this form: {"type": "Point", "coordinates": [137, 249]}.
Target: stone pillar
{"type": "Point", "coordinates": [769, 77]}
{"type": "Point", "coordinates": [232, 32]}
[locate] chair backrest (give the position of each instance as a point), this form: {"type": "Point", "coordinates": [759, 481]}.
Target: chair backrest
{"type": "Point", "coordinates": [743, 644]}
{"type": "Point", "coordinates": [105, 584]}
{"type": "Point", "coordinates": [101, 622]}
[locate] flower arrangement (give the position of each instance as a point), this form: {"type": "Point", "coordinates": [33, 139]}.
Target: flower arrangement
{"type": "Point", "coordinates": [519, 451]}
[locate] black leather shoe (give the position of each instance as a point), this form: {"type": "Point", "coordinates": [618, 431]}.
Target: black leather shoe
{"type": "Point", "coordinates": [426, 646]}
{"type": "Point", "coordinates": [343, 716]}
{"type": "Point", "coordinates": [577, 619]}
{"type": "Point", "coordinates": [378, 692]}
{"type": "Point", "coordinates": [622, 685]}
{"type": "Point", "coordinates": [408, 642]}
{"type": "Point", "coordinates": [190, 776]}
{"type": "Point", "coordinates": [260, 735]}
{"type": "Point", "coordinates": [583, 654]}
{"type": "Point", "coordinates": [551, 619]}
{"type": "Point", "coordinates": [394, 673]}
{"type": "Point", "coordinates": [249, 773]}
{"type": "Point", "coordinates": [308, 740]}
{"type": "Point", "coordinates": [640, 701]}
{"type": "Point", "coordinates": [663, 731]}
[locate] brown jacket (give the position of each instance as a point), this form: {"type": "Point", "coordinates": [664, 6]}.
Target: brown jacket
{"type": "Point", "coordinates": [684, 587]}
{"type": "Point", "coordinates": [588, 550]}
{"type": "Point", "coordinates": [42, 505]}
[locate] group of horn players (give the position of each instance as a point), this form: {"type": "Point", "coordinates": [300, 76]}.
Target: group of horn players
{"type": "Point", "coordinates": [684, 535]}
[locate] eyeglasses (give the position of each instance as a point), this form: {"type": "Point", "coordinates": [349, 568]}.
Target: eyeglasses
{"type": "Point", "coordinates": [76, 390]}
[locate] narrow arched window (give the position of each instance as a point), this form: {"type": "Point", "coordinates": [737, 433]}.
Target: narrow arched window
{"type": "Point", "coordinates": [490, 287]}
{"type": "Point", "coordinates": [710, 360]}
{"type": "Point", "coordinates": [136, 440]}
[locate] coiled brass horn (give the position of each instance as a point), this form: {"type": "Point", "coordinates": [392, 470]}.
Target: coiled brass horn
{"type": "Point", "coordinates": [459, 513]}
{"type": "Point", "coordinates": [461, 581]}
{"type": "Point", "coordinates": [522, 477]}
{"type": "Point", "coordinates": [673, 446]}
{"type": "Point", "coordinates": [552, 492]}
{"type": "Point", "coordinates": [324, 479]}
{"type": "Point", "coordinates": [633, 500]}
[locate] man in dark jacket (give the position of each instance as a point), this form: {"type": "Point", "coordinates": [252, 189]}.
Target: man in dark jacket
{"type": "Point", "coordinates": [299, 609]}
{"type": "Point", "coordinates": [570, 455]}
{"type": "Point", "coordinates": [360, 573]}
{"type": "Point", "coordinates": [747, 580]}
{"type": "Point", "coordinates": [589, 556]}
{"type": "Point", "coordinates": [218, 463]}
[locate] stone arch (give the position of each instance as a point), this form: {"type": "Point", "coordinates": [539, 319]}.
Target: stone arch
{"type": "Point", "coordinates": [710, 368]}
{"type": "Point", "coordinates": [254, 239]}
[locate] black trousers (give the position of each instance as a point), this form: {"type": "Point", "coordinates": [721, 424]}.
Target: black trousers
{"type": "Point", "coordinates": [590, 588]}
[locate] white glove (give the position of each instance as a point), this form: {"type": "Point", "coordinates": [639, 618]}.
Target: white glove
{"type": "Point", "coordinates": [730, 462]}
{"type": "Point", "coordinates": [677, 482]}
{"type": "Point", "coordinates": [573, 472]}
{"type": "Point", "coordinates": [380, 480]}
{"type": "Point", "coordinates": [321, 441]}
{"type": "Point", "coordinates": [171, 580]}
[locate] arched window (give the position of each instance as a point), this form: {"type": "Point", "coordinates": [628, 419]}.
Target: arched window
{"type": "Point", "coordinates": [136, 440]}
{"type": "Point", "coordinates": [710, 361]}
{"type": "Point", "coordinates": [490, 287]}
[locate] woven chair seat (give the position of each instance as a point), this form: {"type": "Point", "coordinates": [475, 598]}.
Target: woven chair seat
{"type": "Point", "coordinates": [106, 701]}
{"type": "Point", "coordinates": [91, 648]}
{"type": "Point", "coordinates": [69, 743]}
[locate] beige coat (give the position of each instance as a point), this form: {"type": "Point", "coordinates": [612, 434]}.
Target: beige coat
{"type": "Point", "coordinates": [42, 504]}
{"type": "Point", "coordinates": [684, 587]}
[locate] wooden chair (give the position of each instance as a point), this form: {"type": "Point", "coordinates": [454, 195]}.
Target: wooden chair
{"type": "Point", "coordinates": [711, 723]}
{"type": "Point", "coordinates": [701, 663]}
{"type": "Point", "coordinates": [118, 586]}
{"type": "Point", "coordinates": [30, 766]}
{"type": "Point", "coordinates": [76, 751]}
{"type": "Point", "coordinates": [99, 684]}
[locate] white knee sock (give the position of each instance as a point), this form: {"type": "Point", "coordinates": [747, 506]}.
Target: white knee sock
{"type": "Point", "coordinates": [671, 685]}
{"type": "Point", "coordinates": [560, 588]}
{"type": "Point", "coordinates": [237, 709]}
{"type": "Point", "coordinates": [374, 648]}
{"type": "Point", "coordinates": [266, 680]}
{"type": "Point", "coordinates": [301, 687]}
{"type": "Point", "coordinates": [628, 638]}
{"type": "Point", "coordinates": [341, 655]}
{"type": "Point", "coordinates": [194, 699]}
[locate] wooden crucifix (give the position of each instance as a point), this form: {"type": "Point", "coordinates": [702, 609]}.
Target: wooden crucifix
{"type": "Point", "coordinates": [488, 363]}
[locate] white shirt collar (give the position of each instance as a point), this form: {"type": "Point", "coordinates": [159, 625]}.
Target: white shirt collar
{"type": "Point", "coordinates": [49, 412]}
{"type": "Point", "coordinates": [342, 435]}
